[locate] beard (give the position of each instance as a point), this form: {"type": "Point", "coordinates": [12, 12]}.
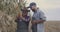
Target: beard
{"type": "Point", "coordinates": [33, 10]}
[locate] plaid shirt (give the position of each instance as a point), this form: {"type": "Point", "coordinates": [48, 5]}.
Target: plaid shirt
{"type": "Point", "coordinates": [39, 15]}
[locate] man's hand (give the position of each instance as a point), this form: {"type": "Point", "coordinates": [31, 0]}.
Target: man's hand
{"type": "Point", "coordinates": [34, 22]}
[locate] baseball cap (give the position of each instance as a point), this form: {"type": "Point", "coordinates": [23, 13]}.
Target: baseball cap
{"type": "Point", "coordinates": [25, 9]}
{"type": "Point", "coordinates": [32, 4]}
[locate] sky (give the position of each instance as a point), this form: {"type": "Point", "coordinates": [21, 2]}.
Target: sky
{"type": "Point", "coordinates": [51, 8]}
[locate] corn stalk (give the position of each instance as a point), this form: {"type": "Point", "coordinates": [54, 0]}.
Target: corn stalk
{"type": "Point", "coordinates": [8, 11]}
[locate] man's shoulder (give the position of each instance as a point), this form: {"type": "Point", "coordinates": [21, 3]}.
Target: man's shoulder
{"type": "Point", "coordinates": [40, 11]}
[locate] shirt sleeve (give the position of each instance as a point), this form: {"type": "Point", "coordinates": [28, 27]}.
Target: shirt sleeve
{"type": "Point", "coordinates": [42, 16]}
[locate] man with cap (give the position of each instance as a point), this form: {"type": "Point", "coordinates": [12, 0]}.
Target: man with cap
{"type": "Point", "coordinates": [38, 18]}
{"type": "Point", "coordinates": [23, 22]}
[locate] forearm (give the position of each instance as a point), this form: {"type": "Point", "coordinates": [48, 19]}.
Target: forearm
{"type": "Point", "coordinates": [37, 21]}
{"type": "Point", "coordinates": [26, 19]}
{"type": "Point", "coordinates": [40, 21]}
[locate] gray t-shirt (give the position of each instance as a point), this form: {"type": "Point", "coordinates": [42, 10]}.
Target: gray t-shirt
{"type": "Point", "coordinates": [39, 15]}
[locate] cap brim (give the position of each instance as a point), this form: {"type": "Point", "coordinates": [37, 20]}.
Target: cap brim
{"type": "Point", "coordinates": [28, 7]}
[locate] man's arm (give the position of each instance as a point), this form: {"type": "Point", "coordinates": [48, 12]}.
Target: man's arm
{"type": "Point", "coordinates": [42, 17]}
{"type": "Point", "coordinates": [41, 20]}
{"type": "Point", "coordinates": [38, 21]}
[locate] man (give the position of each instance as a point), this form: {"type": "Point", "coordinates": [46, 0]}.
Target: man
{"type": "Point", "coordinates": [38, 18]}
{"type": "Point", "coordinates": [23, 20]}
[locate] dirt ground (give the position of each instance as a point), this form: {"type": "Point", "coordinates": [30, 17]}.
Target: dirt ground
{"type": "Point", "coordinates": [52, 26]}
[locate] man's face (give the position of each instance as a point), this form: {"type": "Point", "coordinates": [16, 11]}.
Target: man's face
{"type": "Point", "coordinates": [33, 7]}
{"type": "Point", "coordinates": [24, 13]}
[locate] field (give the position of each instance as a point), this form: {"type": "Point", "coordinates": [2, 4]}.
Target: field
{"type": "Point", "coordinates": [52, 26]}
